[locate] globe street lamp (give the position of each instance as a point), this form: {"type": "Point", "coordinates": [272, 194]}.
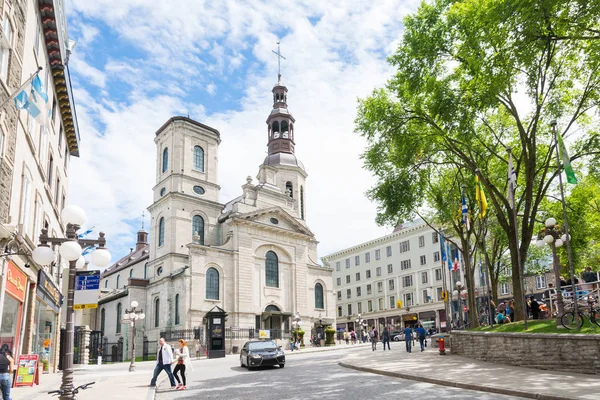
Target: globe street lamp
{"type": "Point", "coordinates": [70, 249]}
{"type": "Point", "coordinates": [362, 324]}
{"type": "Point", "coordinates": [554, 236]}
{"type": "Point", "coordinates": [296, 326]}
{"type": "Point", "coordinates": [459, 291]}
{"type": "Point", "coordinates": [132, 316]}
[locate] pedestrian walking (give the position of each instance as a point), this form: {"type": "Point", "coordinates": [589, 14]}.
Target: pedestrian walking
{"type": "Point", "coordinates": [373, 335]}
{"type": "Point", "coordinates": [183, 362]}
{"type": "Point", "coordinates": [422, 335]}
{"type": "Point", "coordinates": [164, 358]}
{"type": "Point", "coordinates": [346, 337]}
{"type": "Point", "coordinates": [408, 333]}
{"type": "Point", "coordinates": [535, 308]}
{"type": "Point", "coordinates": [385, 338]}
{"type": "Point", "coordinates": [6, 368]}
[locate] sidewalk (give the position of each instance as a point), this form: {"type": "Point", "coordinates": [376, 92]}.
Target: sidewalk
{"type": "Point", "coordinates": [462, 372]}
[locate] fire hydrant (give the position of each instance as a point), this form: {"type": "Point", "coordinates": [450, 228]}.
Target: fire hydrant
{"type": "Point", "coordinates": [442, 347]}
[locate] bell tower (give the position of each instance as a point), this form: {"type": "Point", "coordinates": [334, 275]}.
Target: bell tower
{"type": "Point", "coordinates": [280, 123]}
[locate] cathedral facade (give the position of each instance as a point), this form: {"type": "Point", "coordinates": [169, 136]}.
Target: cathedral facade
{"type": "Point", "coordinates": [254, 256]}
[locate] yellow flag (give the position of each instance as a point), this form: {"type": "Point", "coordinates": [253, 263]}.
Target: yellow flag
{"type": "Point", "coordinates": [480, 197]}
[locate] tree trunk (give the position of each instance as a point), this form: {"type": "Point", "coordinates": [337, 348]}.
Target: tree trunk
{"type": "Point", "coordinates": [517, 277]}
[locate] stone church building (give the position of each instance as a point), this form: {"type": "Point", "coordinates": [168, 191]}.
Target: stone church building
{"type": "Point", "coordinates": [254, 256]}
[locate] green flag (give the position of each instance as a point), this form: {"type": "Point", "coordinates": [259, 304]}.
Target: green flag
{"type": "Point", "coordinates": [571, 178]}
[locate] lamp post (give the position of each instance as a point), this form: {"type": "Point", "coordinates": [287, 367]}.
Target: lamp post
{"type": "Point", "coordinates": [70, 249]}
{"type": "Point", "coordinates": [460, 291]}
{"type": "Point", "coordinates": [132, 316]}
{"type": "Point", "coordinates": [553, 235]}
{"type": "Point", "coordinates": [296, 324]}
{"type": "Point", "coordinates": [361, 323]}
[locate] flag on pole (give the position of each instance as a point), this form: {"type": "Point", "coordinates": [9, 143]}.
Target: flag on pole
{"type": "Point", "coordinates": [480, 197]}
{"type": "Point", "coordinates": [443, 247]}
{"type": "Point", "coordinates": [571, 178]}
{"type": "Point", "coordinates": [84, 234]}
{"type": "Point", "coordinates": [449, 256]}
{"type": "Point", "coordinates": [512, 181]}
{"type": "Point", "coordinates": [455, 265]}
{"type": "Point", "coordinates": [465, 212]}
{"type": "Point", "coordinates": [34, 99]}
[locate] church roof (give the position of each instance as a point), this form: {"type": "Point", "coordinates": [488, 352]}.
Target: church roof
{"type": "Point", "coordinates": [189, 120]}
{"type": "Point", "coordinates": [130, 259]}
{"type": "Point", "coordinates": [281, 213]}
{"type": "Point", "coordinates": [283, 159]}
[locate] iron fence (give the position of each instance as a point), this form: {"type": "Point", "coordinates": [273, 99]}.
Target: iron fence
{"type": "Point", "coordinates": [149, 349]}
{"type": "Point", "coordinates": [112, 352]}
{"type": "Point", "coordinates": [171, 335]}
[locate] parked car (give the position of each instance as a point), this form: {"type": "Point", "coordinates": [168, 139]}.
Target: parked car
{"type": "Point", "coordinates": [258, 353]}
{"type": "Point", "coordinates": [398, 338]}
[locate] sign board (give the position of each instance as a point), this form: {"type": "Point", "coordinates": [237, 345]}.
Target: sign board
{"type": "Point", "coordinates": [27, 370]}
{"type": "Point", "coordinates": [16, 281]}
{"type": "Point", "coordinates": [87, 289]}
{"type": "Point", "coordinates": [264, 334]}
{"type": "Point", "coordinates": [48, 291]}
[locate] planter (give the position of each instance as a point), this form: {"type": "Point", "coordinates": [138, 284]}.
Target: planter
{"type": "Point", "coordinates": [329, 337]}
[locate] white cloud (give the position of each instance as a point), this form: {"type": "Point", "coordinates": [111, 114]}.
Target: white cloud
{"type": "Point", "coordinates": [329, 65]}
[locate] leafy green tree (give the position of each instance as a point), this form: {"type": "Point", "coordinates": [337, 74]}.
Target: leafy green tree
{"type": "Point", "coordinates": [473, 78]}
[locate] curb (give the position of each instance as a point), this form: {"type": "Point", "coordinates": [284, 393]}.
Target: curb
{"type": "Point", "coordinates": [479, 388]}
{"type": "Point", "coordinates": [327, 348]}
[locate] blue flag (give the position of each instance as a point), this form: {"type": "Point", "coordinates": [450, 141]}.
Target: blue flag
{"type": "Point", "coordinates": [449, 256]}
{"type": "Point", "coordinates": [465, 212]}
{"type": "Point", "coordinates": [34, 99]}
{"type": "Point", "coordinates": [443, 246]}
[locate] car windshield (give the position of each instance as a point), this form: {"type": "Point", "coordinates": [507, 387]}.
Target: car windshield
{"type": "Point", "coordinates": [261, 346]}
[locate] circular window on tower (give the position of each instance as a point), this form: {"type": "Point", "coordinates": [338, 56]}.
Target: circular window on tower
{"type": "Point", "coordinates": [274, 221]}
{"type": "Point", "coordinates": [159, 271]}
{"type": "Point", "coordinates": [163, 191]}
{"type": "Point", "coordinates": [199, 190]}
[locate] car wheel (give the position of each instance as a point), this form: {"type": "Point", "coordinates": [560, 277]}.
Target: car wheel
{"type": "Point", "coordinates": [248, 364]}
{"type": "Point", "coordinates": [281, 365]}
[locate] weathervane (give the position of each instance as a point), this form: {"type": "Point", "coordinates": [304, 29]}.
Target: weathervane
{"type": "Point", "coordinates": [279, 57]}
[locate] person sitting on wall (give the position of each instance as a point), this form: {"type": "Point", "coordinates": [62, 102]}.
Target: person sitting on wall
{"type": "Point", "coordinates": [501, 318]}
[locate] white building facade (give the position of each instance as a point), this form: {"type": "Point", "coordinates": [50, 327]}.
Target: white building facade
{"type": "Point", "coordinates": [393, 281]}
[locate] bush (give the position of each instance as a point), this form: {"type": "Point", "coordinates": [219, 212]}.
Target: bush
{"type": "Point", "coordinates": [329, 336]}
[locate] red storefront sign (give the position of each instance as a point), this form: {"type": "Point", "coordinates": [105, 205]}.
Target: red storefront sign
{"type": "Point", "coordinates": [16, 282]}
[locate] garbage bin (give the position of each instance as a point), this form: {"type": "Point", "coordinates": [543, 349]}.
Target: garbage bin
{"type": "Point", "coordinates": [235, 349]}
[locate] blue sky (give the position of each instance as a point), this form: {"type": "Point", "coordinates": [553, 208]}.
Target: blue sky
{"type": "Point", "coordinates": [139, 62]}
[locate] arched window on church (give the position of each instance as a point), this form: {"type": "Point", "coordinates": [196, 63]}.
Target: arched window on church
{"type": "Point", "coordinates": [118, 281]}
{"type": "Point", "coordinates": [284, 129]}
{"type": "Point", "coordinates": [198, 228]}
{"type": "Point", "coordinates": [177, 309]}
{"type": "Point", "coordinates": [292, 132]}
{"type": "Point", "coordinates": [302, 202]}
{"type": "Point", "coordinates": [212, 284]}
{"type": "Point", "coordinates": [319, 296]}
{"type": "Point", "coordinates": [272, 269]}
{"type": "Point", "coordinates": [131, 273]}
{"type": "Point", "coordinates": [161, 231]}
{"type": "Point", "coordinates": [156, 312]}
{"type": "Point", "coordinates": [165, 160]}
{"type": "Point", "coordinates": [119, 312]}
{"type": "Point", "coordinates": [199, 158]}
{"type": "Point", "coordinates": [289, 189]}
{"type": "Point", "coordinates": [276, 126]}
{"type": "Point", "coordinates": [102, 320]}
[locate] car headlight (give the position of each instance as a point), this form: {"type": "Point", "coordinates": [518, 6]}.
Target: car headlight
{"type": "Point", "coordinates": [255, 356]}
{"type": "Point", "coordinates": [279, 353]}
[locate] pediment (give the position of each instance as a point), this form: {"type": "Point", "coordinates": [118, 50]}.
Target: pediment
{"type": "Point", "coordinates": [276, 218]}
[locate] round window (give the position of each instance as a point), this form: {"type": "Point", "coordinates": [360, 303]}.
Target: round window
{"type": "Point", "coordinates": [163, 191]}
{"type": "Point", "coordinates": [199, 190]}
{"type": "Point", "coordinates": [159, 271]}
{"type": "Point", "coordinates": [274, 221]}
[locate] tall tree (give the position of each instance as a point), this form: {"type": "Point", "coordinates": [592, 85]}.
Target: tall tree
{"type": "Point", "coordinates": [473, 78]}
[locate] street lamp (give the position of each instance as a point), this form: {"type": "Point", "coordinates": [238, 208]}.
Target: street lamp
{"type": "Point", "coordinates": [70, 249]}
{"type": "Point", "coordinates": [132, 316]}
{"type": "Point", "coordinates": [554, 236]}
{"type": "Point", "coordinates": [459, 291]}
{"type": "Point", "coordinates": [296, 324]}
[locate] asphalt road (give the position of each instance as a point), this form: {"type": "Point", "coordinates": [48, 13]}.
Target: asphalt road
{"type": "Point", "coordinates": [306, 376]}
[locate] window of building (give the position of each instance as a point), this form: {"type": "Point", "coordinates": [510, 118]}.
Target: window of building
{"type": "Point", "coordinates": [339, 311]}
{"type": "Point", "coordinates": [102, 320]}
{"type": "Point", "coordinates": [118, 281]}
{"type": "Point", "coordinates": [26, 202]}
{"type": "Point", "coordinates": [378, 271]}
{"type": "Point", "coordinates": [439, 294]}
{"type": "Point", "coordinates": [50, 169]}
{"type": "Point", "coordinates": [436, 256]}
{"type": "Point", "coordinates": [368, 289]}
{"type": "Point", "coordinates": [339, 295]}
{"type": "Point", "coordinates": [199, 190]}
{"type": "Point", "coordinates": [106, 283]}
{"type": "Point", "coordinates": [165, 160]}
{"type": "Point", "coordinates": [438, 274]}
{"type": "Point", "coordinates": [212, 284]}
{"type": "Point", "coordinates": [319, 296]}
{"type": "Point", "coordinates": [540, 282]}
{"type": "Point", "coordinates": [381, 305]}
{"type": "Point", "coordinates": [302, 202]}
{"type": "Point", "coordinates": [1, 143]}
{"type": "Point", "coordinates": [405, 264]}
{"type": "Point", "coordinates": [423, 260]}
{"type": "Point", "coordinates": [358, 291]}
{"type": "Point", "coordinates": [370, 306]}
{"type": "Point", "coordinates": [421, 241]}
{"type": "Point", "coordinates": [392, 302]}
{"type": "Point", "coordinates": [198, 228]}
{"type": "Point", "coordinates": [347, 263]}
{"type": "Point", "coordinates": [390, 268]}
{"type": "Point", "coordinates": [161, 231]}
{"type": "Point", "coordinates": [391, 284]}
{"type": "Point", "coordinates": [131, 273]}
{"type": "Point", "coordinates": [388, 251]}
{"type": "Point", "coordinates": [159, 271]}
{"type": "Point", "coordinates": [156, 312]}
{"type": "Point", "coordinates": [348, 293]}
{"type": "Point", "coordinates": [5, 46]}
{"type": "Point", "coordinates": [404, 246]}
{"type": "Point", "coordinates": [347, 278]}
{"type": "Point", "coordinates": [434, 237]}
{"type": "Point", "coordinates": [198, 158]}
{"type": "Point", "coordinates": [119, 316]}
{"type": "Point", "coordinates": [504, 288]}
{"type": "Point", "coordinates": [358, 276]}
{"type": "Point", "coordinates": [272, 269]}
{"type": "Point", "coordinates": [57, 191]}
{"type": "Point", "coordinates": [177, 321]}
{"type": "Point", "coordinates": [359, 307]}
{"type": "Point", "coordinates": [368, 273]}
{"type": "Point", "coordinates": [339, 281]}
{"type": "Point", "coordinates": [426, 297]}
{"type": "Point", "coordinates": [377, 254]}
{"type": "Point", "coordinates": [289, 189]}
{"type": "Point", "coordinates": [380, 286]}
{"type": "Point", "coordinates": [424, 277]}
{"type": "Point", "coordinates": [357, 260]}
{"type": "Point", "coordinates": [337, 266]}
{"type": "Point", "coordinates": [367, 257]}
{"type": "Point", "coordinates": [408, 299]}
{"type": "Point", "coordinates": [349, 309]}
{"type": "Point", "coordinates": [407, 281]}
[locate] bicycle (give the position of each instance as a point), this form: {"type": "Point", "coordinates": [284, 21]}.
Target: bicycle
{"type": "Point", "coordinates": [61, 392]}
{"type": "Point", "coordinates": [570, 321]}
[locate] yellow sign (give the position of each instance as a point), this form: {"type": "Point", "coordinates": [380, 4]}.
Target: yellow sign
{"type": "Point", "coordinates": [264, 334]}
{"type": "Point", "coordinates": [399, 304]}
{"type": "Point", "coordinates": [83, 306]}
{"type": "Point", "coordinates": [445, 295]}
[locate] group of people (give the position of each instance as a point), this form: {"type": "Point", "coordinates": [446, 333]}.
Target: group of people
{"type": "Point", "coordinates": [166, 358]}
{"type": "Point", "coordinates": [409, 336]}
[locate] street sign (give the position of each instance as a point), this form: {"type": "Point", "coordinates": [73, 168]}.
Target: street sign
{"type": "Point", "coordinates": [87, 289]}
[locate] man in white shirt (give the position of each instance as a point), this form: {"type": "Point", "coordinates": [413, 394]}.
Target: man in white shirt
{"type": "Point", "coordinates": [164, 358]}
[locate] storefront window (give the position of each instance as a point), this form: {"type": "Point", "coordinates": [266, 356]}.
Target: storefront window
{"type": "Point", "coordinates": [10, 322]}
{"type": "Point", "coordinates": [43, 343]}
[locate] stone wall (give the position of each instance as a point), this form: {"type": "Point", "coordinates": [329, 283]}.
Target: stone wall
{"type": "Point", "coordinates": [564, 352]}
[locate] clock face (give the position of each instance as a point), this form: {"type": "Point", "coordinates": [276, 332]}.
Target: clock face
{"type": "Point", "coordinates": [199, 190]}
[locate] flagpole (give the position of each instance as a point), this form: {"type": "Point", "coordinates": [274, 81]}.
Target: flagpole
{"type": "Point", "coordinates": [444, 283]}
{"type": "Point", "coordinates": [566, 224]}
{"type": "Point", "coordinates": [12, 96]}
{"type": "Point", "coordinates": [516, 224]}
{"type": "Point", "coordinates": [483, 227]}
{"type": "Point", "coordinates": [468, 254]}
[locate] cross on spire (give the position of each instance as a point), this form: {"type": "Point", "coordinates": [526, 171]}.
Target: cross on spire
{"type": "Point", "coordinates": [279, 57]}
{"type": "Point", "coordinates": [143, 215]}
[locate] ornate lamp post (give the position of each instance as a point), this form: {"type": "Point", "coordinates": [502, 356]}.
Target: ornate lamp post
{"type": "Point", "coordinates": [362, 325]}
{"type": "Point", "coordinates": [70, 249]}
{"type": "Point", "coordinates": [460, 291]}
{"type": "Point", "coordinates": [132, 316]}
{"type": "Point", "coordinates": [554, 236]}
{"type": "Point", "coordinates": [296, 324]}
